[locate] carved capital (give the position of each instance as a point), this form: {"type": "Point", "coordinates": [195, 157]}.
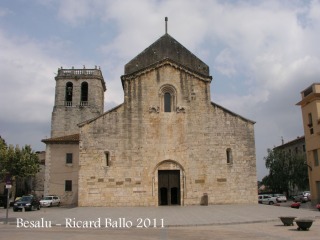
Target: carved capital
{"type": "Point", "coordinates": [180, 109]}
{"type": "Point", "coordinates": [154, 109]}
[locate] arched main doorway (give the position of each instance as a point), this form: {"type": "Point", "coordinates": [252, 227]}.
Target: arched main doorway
{"type": "Point", "coordinates": [169, 187]}
{"type": "Point", "coordinates": [169, 177]}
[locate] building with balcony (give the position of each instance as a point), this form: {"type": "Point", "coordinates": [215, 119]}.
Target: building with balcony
{"type": "Point", "coordinates": [310, 108]}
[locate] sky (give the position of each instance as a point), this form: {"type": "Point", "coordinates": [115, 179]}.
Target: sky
{"type": "Point", "coordinates": [261, 55]}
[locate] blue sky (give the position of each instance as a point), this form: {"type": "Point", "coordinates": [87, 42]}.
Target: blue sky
{"type": "Point", "coordinates": [261, 55]}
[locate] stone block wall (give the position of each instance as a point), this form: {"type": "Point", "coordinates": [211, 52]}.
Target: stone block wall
{"type": "Point", "coordinates": [65, 118]}
{"type": "Point", "coordinates": [141, 139]}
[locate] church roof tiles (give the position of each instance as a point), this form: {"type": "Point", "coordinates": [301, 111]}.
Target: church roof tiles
{"type": "Point", "coordinates": [63, 139]}
{"type": "Point", "coordinates": [166, 47]}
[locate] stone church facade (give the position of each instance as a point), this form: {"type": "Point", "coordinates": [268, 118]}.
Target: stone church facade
{"type": "Point", "coordinates": [166, 144]}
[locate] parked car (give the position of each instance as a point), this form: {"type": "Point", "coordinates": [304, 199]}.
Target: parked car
{"type": "Point", "coordinates": [307, 194]}
{"type": "Point", "coordinates": [318, 206]}
{"type": "Point", "coordinates": [50, 200]}
{"type": "Point", "coordinates": [280, 197]}
{"type": "Point", "coordinates": [28, 202]}
{"type": "Point", "coordinates": [261, 197]}
{"type": "Point", "coordinates": [268, 199]}
{"type": "Point", "coordinates": [303, 197]}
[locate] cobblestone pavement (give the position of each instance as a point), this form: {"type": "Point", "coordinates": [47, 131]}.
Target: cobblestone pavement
{"type": "Point", "coordinates": [191, 222]}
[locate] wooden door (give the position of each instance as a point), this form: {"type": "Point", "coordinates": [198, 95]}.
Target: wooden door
{"type": "Point", "coordinates": [169, 187]}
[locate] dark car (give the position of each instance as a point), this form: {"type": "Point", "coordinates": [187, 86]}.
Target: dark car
{"type": "Point", "coordinates": [28, 203]}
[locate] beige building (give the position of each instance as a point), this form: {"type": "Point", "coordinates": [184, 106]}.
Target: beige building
{"type": "Point", "coordinates": [310, 107]}
{"type": "Point", "coordinates": [166, 144]}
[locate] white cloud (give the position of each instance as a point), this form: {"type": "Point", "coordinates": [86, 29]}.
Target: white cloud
{"type": "Point", "coordinates": [314, 13]}
{"type": "Point", "coordinates": [224, 63]}
{"type": "Point", "coordinates": [76, 12]}
{"type": "Point", "coordinates": [28, 77]}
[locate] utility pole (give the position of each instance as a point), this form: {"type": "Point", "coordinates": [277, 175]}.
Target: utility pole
{"type": "Point", "coordinates": [8, 186]}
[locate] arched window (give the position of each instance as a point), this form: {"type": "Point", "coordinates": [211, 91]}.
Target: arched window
{"type": "Point", "coordinates": [84, 94]}
{"type": "Point", "coordinates": [229, 156]}
{"type": "Point", "coordinates": [69, 93]}
{"type": "Point", "coordinates": [167, 102]}
{"type": "Point", "coordinates": [168, 98]}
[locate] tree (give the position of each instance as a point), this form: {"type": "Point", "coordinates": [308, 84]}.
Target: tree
{"type": "Point", "coordinates": [3, 153]}
{"type": "Point", "coordinates": [286, 171]}
{"type": "Point", "coordinates": [299, 177]}
{"type": "Point", "coordinates": [278, 166]}
{"type": "Point", "coordinates": [17, 163]}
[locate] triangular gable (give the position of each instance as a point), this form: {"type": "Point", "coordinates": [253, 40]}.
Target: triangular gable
{"type": "Point", "coordinates": [166, 47]}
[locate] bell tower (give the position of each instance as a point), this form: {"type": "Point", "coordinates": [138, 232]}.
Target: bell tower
{"type": "Point", "coordinates": [79, 96]}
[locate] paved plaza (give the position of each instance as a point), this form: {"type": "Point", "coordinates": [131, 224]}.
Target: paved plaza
{"type": "Point", "coordinates": [190, 222]}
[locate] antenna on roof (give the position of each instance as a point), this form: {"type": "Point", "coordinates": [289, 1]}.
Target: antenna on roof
{"type": "Point", "coordinates": [166, 20]}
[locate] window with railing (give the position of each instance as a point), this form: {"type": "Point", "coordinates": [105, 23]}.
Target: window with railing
{"type": "Point", "coordinates": [68, 103]}
{"type": "Point", "coordinates": [69, 94]}
{"type": "Point", "coordinates": [84, 94]}
{"type": "Point", "coordinates": [84, 103]}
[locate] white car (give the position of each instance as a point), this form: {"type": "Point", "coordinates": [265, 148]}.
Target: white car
{"type": "Point", "coordinates": [280, 197]}
{"type": "Point", "coordinates": [49, 201]}
{"type": "Point", "coordinates": [268, 199]}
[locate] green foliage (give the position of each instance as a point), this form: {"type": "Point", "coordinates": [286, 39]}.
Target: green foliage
{"type": "Point", "coordinates": [17, 162]}
{"type": "Point", "coordinates": [286, 171]}
{"type": "Point", "coordinates": [3, 153]}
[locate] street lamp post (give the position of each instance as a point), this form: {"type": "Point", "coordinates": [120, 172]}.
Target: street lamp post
{"type": "Point", "coordinates": [8, 186]}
